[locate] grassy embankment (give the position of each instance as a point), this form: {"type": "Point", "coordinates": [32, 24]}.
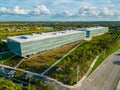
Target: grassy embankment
{"type": "Point", "coordinates": [83, 57]}
{"type": "Point", "coordinates": [10, 59]}
{"type": "Point", "coordinates": [104, 55]}
{"type": "Point", "coordinates": [43, 61]}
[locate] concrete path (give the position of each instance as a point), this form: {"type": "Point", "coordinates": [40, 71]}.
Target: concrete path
{"type": "Point", "coordinates": [19, 63]}
{"type": "Point", "coordinates": [86, 75]}
{"type": "Point", "coordinates": [118, 86]}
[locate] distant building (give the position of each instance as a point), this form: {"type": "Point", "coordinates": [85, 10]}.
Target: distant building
{"type": "Point", "coordinates": [48, 27]}
{"type": "Point", "coordinates": [93, 31]}
{"type": "Point", "coordinates": [29, 45]}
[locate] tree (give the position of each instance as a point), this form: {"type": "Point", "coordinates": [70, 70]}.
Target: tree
{"type": "Point", "coordinates": [9, 85]}
{"type": "Point", "coordinates": [46, 86]}
{"type": "Point", "coordinates": [31, 87]}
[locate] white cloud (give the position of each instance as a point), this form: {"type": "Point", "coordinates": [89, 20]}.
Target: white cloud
{"type": "Point", "coordinates": [17, 10]}
{"type": "Point", "coordinates": [67, 13]}
{"type": "Point", "coordinates": [84, 11]}
{"type": "Point", "coordinates": [63, 14]}
{"type": "Point", "coordinates": [108, 1]}
{"type": "Point", "coordinates": [106, 12]}
{"type": "Point", "coordinates": [88, 11]}
{"type": "Point", "coordinates": [98, 12]}
{"type": "Point", "coordinates": [5, 10]}
{"type": "Point", "coordinates": [39, 10]}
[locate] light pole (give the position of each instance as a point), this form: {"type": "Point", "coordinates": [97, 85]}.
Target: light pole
{"type": "Point", "coordinates": [2, 69]}
{"type": "Point", "coordinates": [77, 72]}
{"type": "Point", "coordinates": [29, 84]}
{"type": "Point", "coordinates": [104, 52]}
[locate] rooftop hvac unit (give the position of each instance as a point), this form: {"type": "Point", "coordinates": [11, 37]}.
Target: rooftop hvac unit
{"type": "Point", "coordinates": [23, 37]}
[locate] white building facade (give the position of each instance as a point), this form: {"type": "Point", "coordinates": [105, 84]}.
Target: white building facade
{"type": "Point", "coordinates": [29, 45]}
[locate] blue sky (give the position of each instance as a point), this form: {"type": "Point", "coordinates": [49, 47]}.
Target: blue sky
{"type": "Point", "coordinates": [59, 10]}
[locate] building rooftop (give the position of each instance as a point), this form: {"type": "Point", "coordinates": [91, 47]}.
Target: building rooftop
{"type": "Point", "coordinates": [40, 36]}
{"type": "Point", "coordinates": [94, 28]}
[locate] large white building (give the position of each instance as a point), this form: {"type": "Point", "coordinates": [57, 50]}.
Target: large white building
{"type": "Point", "coordinates": [29, 45]}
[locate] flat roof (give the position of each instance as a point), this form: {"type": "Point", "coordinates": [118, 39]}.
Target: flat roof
{"type": "Point", "coordinates": [41, 36]}
{"type": "Point", "coordinates": [94, 28]}
{"type": "Point", "coordinates": [90, 28]}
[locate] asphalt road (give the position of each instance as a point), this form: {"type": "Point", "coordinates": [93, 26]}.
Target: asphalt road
{"type": "Point", "coordinates": [106, 76]}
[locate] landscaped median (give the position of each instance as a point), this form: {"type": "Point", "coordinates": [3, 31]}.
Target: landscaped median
{"type": "Point", "coordinates": [66, 70]}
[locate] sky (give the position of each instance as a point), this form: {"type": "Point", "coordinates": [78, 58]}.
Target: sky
{"type": "Point", "coordinates": [59, 10]}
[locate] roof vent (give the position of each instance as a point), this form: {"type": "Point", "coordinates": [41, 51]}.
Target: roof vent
{"type": "Point", "coordinates": [22, 37]}
{"type": "Point", "coordinates": [33, 34]}
{"type": "Point", "coordinates": [56, 33]}
{"type": "Point", "coordinates": [41, 33]}
{"type": "Point", "coordinates": [63, 32]}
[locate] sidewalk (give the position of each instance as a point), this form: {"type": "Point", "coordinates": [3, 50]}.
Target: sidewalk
{"type": "Point", "coordinates": [118, 86]}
